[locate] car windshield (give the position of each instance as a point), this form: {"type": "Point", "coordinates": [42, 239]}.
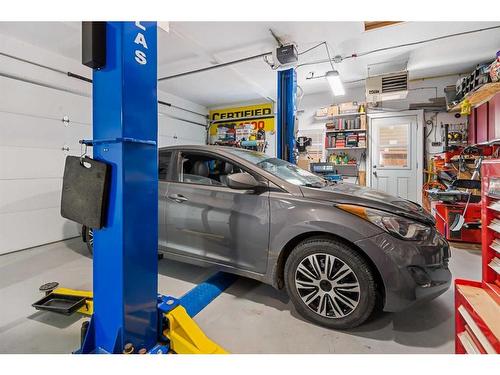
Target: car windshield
{"type": "Point", "coordinates": [281, 168]}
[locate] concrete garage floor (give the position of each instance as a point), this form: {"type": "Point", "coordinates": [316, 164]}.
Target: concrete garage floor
{"type": "Point", "coordinates": [249, 317]}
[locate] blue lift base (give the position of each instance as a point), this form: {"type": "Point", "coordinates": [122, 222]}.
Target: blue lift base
{"type": "Point", "coordinates": [184, 309]}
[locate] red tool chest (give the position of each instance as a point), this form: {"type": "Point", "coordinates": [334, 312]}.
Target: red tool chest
{"type": "Point", "coordinates": [477, 303]}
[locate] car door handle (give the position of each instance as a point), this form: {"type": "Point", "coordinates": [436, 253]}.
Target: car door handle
{"type": "Point", "coordinates": [179, 198]}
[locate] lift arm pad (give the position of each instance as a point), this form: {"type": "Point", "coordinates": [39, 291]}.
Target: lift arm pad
{"type": "Point", "coordinates": [186, 337]}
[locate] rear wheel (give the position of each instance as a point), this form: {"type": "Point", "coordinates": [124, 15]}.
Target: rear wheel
{"type": "Point", "coordinates": [330, 284]}
{"type": "Point", "coordinates": [89, 239]}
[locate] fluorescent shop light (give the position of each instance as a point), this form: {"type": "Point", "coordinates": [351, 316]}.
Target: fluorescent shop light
{"type": "Point", "coordinates": [336, 85]}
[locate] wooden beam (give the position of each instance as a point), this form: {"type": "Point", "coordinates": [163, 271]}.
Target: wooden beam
{"type": "Point", "coordinates": [372, 25]}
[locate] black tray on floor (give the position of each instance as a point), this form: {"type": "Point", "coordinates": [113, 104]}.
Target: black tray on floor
{"type": "Point", "coordinates": [60, 303]}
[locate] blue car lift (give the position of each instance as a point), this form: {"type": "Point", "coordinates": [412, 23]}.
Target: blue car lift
{"type": "Point", "coordinates": [285, 134]}
{"type": "Point", "coordinates": [127, 313]}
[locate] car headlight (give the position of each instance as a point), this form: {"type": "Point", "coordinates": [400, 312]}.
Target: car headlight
{"type": "Point", "coordinates": [398, 226]}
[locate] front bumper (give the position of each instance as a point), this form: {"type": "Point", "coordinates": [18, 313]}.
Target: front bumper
{"type": "Point", "coordinates": [411, 271]}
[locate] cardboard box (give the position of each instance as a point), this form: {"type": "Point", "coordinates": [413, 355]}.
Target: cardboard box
{"type": "Point", "coordinates": [303, 163]}
{"type": "Point", "coordinates": [348, 107]}
{"type": "Point", "coordinates": [305, 159]}
{"type": "Point", "coordinates": [333, 110]}
{"type": "Point", "coordinates": [362, 119]}
{"type": "Point", "coordinates": [322, 112]}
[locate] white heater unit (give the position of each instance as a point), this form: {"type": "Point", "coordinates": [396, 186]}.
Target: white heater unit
{"type": "Point", "coordinates": [392, 86]}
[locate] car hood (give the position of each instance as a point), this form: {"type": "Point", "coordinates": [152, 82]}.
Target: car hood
{"type": "Point", "coordinates": [363, 196]}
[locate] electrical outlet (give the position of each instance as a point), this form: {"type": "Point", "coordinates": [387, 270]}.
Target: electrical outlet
{"type": "Point", "coordinates": [436, 144]}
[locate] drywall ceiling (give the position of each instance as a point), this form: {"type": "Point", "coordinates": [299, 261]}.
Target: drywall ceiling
{"type": "Point", "coordinates": [193, 45]}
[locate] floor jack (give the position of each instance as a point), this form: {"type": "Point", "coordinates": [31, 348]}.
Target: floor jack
{"type": "Point", "coordinates": [119, 198]}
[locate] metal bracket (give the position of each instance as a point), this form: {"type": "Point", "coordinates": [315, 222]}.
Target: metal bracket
{"type": "Point", "coordinates": [93, 142]}
{"type": "Point", "coordinates": [167, 303]}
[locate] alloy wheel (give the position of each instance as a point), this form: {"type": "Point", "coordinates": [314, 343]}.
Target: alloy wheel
{"type": "Point", "coordinates": [327, 285]}
{"type": "Point", "coordinates": [90, 238]}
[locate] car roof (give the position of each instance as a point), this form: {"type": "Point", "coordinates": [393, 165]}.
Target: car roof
{"type": "Point", "coordinates": [222, 149]}
{"type": "Point", "coordinates": [226, 151]}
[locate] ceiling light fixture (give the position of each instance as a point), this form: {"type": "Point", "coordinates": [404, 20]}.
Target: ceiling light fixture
{"type": "Point", "coordinates": [336, 85]}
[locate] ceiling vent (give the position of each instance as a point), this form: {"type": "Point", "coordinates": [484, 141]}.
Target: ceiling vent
{"type": "Point", "coordinates": [392, 86]}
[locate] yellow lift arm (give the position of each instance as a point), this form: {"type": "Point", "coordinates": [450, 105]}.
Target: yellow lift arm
{"type": "Point", "coordinates": [185, 336]}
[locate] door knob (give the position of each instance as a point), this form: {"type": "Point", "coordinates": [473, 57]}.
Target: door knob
{"type": "Point", "coordinates": [179, 198]}
{"type": "Point", "coordinates": [375, 173]}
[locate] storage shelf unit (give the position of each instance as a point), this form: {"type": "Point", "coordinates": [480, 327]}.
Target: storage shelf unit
{"type": "Point", "coordinates": [345, 148]}
{"type": "Point", "coordinates": [341, 115]}
{"type": "Point", "coordinates": [477, 303]}
{"type": "Point", "coordinates": [346, 135]}
{"type": "Point", "coordinates": [345, 131]}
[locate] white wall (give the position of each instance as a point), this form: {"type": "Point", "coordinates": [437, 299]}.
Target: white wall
{"type": "Point", "coordinates": [418, 93]}
{"type": "Point", "coordinates": [33, 102]}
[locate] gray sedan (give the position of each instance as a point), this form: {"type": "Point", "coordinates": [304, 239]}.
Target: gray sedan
{"type": "Point", "coordinates": [339, 250]}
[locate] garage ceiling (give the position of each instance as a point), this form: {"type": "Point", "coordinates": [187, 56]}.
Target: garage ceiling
{"type": "Point", "coordinates": [193, 45]}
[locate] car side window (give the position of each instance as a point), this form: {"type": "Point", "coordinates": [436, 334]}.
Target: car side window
{"type": "Point", "coordinates": [164, 163]}
{"type": "Point", "coordinates": [205, 170]}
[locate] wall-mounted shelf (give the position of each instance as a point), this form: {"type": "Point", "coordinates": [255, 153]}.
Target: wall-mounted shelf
{"type": "Point", "coordinates": [345, 165]}
{"type": "Point", "coordinates": [345, 148]}
{"type": "Point", "coordinates": [341, 115]}
{"type": "Point", "coordinates": [479, 96]}
{"type": "Point", "coordinates": [345, 130]}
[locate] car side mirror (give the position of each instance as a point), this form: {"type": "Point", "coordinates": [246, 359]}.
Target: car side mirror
{"type": "Point", "coordinates": [242, 181]}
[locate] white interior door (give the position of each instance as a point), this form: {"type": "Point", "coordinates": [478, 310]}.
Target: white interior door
{"type": "Point", "coordinates": [396, 167]}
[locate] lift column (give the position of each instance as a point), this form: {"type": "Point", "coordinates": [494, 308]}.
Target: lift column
{"type": "Point", "coordinates": [125, 128]}
{"type": "Point", "coordinates": [287, 93]}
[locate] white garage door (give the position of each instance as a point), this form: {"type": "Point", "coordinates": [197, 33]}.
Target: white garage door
{"type": "Point", "coordinates": [33, 146]}
{"type": "Point", "coordinates": [34, 142]}
{"type": "Point", "coordinates": [172, 131]}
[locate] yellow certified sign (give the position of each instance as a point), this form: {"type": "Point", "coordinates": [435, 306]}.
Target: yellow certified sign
{"type": "Point", "coordinates": [261, 116]}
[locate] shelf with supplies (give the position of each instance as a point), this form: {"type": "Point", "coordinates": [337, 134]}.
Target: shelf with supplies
{"type": "Point", "coordinates": [344, 165]}
{"type": "Point", "coordinates": [356, 123]}
{"type": "Point", "coordinates": [337, 116]}
{"type": "Point", "coordinates": [346, 133]}
{"type": "Point", "coordinates": [345, 140]}
{"type": "Point", "coordinates": [479, 96]}
{"type": "Point", "coordinates": [345, 148]}
{"type": "Point", "coordinates": [477, 303]}
{"type": "Point", "coordinates": [347, 109]}
{"type": "Point", "coordinates": [345, 130]}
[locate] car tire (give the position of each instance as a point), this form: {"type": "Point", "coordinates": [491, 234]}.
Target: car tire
{"type": "Point", "coordinates": [342, 298]}
{"type": "Point", "coordinates": [89, 240]}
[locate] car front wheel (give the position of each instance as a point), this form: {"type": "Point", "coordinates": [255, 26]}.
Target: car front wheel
{"type": "Point", "coordinates": [330, 284]}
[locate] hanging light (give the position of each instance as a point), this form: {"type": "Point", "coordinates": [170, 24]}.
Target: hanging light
{"type": "Point", "coordinates": [336, 85]}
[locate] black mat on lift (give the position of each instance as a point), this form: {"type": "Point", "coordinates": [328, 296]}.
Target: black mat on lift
{"type": "Point", "coordinates": [85, 191]}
